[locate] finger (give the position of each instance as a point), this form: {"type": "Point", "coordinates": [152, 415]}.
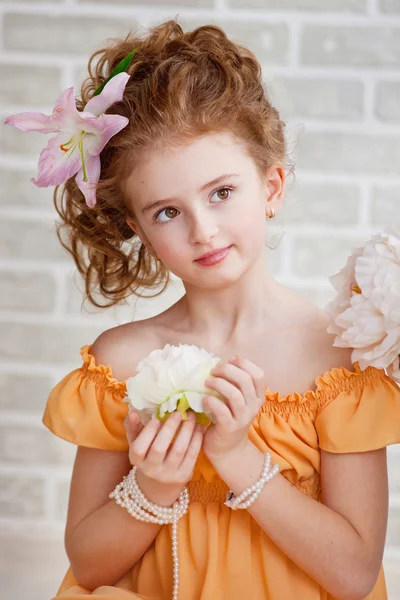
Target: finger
{"type": "Point", "coordinates": [192, 451]}
{"type": "Point", "coordinates": [239, 377]}
{"type": "Point", "coordinates": [162, 441]}
{"type": "Point", "coordinates": [219, 409]}
{"type": "Point", "coordinates": [133, 426]}
{"type": "Point", "coordinates": [141, 445]}
{"type": "Point", "coordinates": [180, 445]}
{"type": "Point", "coordinates": [255, 372]}
{"type": "Point", "coordinates": [234, 396]}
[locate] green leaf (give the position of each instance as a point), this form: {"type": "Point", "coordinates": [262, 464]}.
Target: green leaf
{"type": "Point", "coordinates": [121, 66]}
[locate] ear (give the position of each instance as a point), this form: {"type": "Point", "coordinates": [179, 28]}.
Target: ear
{"type": "Point", "coordinates": [275, 180]}
{"type": "Point", "coordinates": [134, 225]}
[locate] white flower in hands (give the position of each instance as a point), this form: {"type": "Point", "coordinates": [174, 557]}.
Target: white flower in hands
{"type": "Point", "coordinates": [172, 379]}
{"type": "Point", "coordinates": [366, 311]}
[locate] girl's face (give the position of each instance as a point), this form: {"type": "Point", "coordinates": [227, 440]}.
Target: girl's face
{"type": "Point", "coordinates": [199, 197]}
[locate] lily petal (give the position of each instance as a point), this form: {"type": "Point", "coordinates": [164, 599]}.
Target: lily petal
{"type": "Point", "coordinates": [110, 125]}
{"type": "Point", "coordinates": [88, 188]}
{"type": "Point", "coordinates": [112, 93]}
{"type": "Point", "coordinates": [65, 117]}
{"type": "Point", "coordinates": [65, 113]}
{"type": "Point", "coordinates": [33, 121]}
{"type": "Point", "coordinates": [56, 166]}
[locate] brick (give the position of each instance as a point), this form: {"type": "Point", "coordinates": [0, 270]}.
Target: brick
{"type": "Point", "coordinates": [317, 5]}
{"type": "Point", "coordinates": [269, 41]}
{"type": "Point", "coordinates": [387, 100]}
{"type": "Point", "coordinates": [349, 152]}
{"type": "Point", "coordinates": [48, 344]}
{"type": "Point", "coordinates": [160, 3]}
{"type": "Point", "coordinates": [25, 560]}
{"type": "Point", "coordinates": [42, 33]}
{"type": "Point", "coordinates": [31, 445]}
{"type": "Point", "coordinates": [62, 497]}
{"type": "Point", "coordinates": [390, 6]}
{"type": "Point", "coordinates": [79, 76]}
{"type": "Point", "coordinates": [329, 204]}
{"type": "Point", "coordinates": [385, 206]}
{"type": "Point", "coordinates": [27, 291]}
{"type": "Point", "coordinates": [21, 496]}
{"type": "Point", "coordinates": [318, 98]}
{"type": "Point", "coordinates": [321, 256]}
{"type": "Point", "coordinates": [392, 576]}
{"type": "Point", "coordinates": [393, 461]}
{"type": "Point", "coordinates": [23, 392]}
{"type": "Point", "coordinates": [21, 143]}
{"type": "Point", "coordinates": [29, 85]}
{"type": "Point", "coordinates": [16, 188]}
{"type": "Point", "coordinates": [30, 240]}
{"type": "Point", "coordinates": [393, 531]}
{"type": "Point", "coordinates": [350, 46]}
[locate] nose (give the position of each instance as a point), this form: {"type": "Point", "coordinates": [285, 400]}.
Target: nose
{"type": "Point", "coordinates": [203, 228]}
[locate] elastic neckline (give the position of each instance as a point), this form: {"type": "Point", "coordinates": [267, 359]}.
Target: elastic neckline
{"type": "Point", "coordinates": [104, 370]}
{"type": "Point", "coordinates": [323, 383]}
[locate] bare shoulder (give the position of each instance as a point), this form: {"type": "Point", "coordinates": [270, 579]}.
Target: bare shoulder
{"type": "Point", "coordinates": [309, 341]}
{"type": "Point", "coordinates": [320, 344]}
{"type": "Point", "coordinates": [123, 347]}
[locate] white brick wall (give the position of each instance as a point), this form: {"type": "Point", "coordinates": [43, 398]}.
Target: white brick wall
{"type": "Point", "coordinates": [333, 69]}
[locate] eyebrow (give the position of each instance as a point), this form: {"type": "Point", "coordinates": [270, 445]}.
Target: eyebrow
{"type": "Point", "coordinates": [204, 187]}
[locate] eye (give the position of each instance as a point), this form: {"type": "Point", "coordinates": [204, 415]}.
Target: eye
{"type": "Point", "coordinates": [224, 189]}
{"type": "Point", "coordinates": [165, 210]}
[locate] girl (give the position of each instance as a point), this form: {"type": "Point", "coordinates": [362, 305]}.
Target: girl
{"type": "Point", "coordinates": [199, 167]}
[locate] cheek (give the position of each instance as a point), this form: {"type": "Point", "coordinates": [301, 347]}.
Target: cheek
{"type": "Point", "coordinates": [168, 246]}
{"type": "Point", "coordinates": [251, 220]}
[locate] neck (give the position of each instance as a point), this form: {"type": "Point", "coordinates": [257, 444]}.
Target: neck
{"type": "Point", "coordinates": [228, 313]}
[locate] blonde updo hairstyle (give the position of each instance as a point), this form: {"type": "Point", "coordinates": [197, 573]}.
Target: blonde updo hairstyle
{"type": "Point", "coordinates": [182, 85]}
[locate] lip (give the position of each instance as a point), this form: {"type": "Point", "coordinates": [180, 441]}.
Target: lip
{"type": "Point", "coordinates": [215, 258]}
{"type": "Point", "coordinates": [212, 253]}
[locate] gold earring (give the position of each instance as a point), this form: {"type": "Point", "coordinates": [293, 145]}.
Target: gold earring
{"type": "Point", "coordinates": [271, 214]}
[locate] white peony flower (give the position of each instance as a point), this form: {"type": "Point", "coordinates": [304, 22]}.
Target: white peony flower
{"type": "Point", "coordinates": [345, 284]}
{"type": "Point", "coordinates": [172, 379]}
{"type": "Point", "coordinates": [366, 310]}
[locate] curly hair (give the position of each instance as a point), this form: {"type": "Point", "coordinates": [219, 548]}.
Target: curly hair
{"type": "Point", "coordinates": [182, 85]}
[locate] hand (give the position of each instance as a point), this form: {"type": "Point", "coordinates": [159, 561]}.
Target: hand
{"type": "Point", "coordinates": [133, 426]}
{"type": "Point", "coordinates": [165, 454]}
{"type": "Point", "coordinates": [240, 382]}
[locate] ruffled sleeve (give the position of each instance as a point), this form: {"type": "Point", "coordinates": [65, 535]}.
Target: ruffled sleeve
{"type": "Point", "coordinates": [86, 407]}
{"type": "Point", "coordinates": [359, 411]}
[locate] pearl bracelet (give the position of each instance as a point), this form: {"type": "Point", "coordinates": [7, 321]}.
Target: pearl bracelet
{"type": "Point", "coordinates": [250, 494]}
{"type": "Point", "coordinates": [129, 495]}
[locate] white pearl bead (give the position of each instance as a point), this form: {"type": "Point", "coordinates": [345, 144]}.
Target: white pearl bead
{"type": "Point", "coordinates": [137, 505]}
{"type": "Point", "coordinates": [251, 493]}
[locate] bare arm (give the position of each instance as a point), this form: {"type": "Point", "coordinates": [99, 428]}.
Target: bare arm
{"type": "Point", "coordinates": [97, 527]}
{"type": "Point", "coordinates": [338, 543]}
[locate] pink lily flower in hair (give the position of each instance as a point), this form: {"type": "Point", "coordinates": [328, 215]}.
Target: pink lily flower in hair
{"type": "Point", "coordinates": [81, 136]}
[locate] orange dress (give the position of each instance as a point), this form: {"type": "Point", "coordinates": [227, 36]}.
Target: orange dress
{"type": "Point", "coordinates": [224, 553]}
